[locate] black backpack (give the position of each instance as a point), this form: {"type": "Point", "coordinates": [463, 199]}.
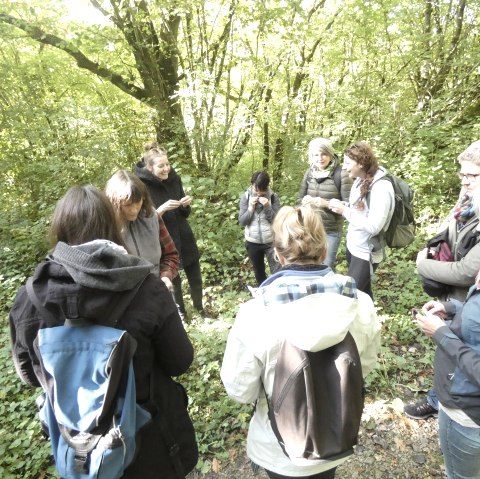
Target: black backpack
{"type": "Point", "coordinates": [434, 288]}
{"type": "Point", "coordinates": [401, 230]}
{"type": "Point", "coordinates": [317, 401]}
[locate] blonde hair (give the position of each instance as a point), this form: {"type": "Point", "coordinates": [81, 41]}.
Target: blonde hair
{"type": "Point", "coordinates": [151, 151]}
{"type": "Point", "coordinates": [471, 154]}
{"type": "Point", "coordinates": [299, 235]}
{"type": "Point", "coordinates": [319, 144]}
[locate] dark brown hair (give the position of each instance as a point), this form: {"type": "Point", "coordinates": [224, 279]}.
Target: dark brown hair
{"type": "Point", "coordinates": [123, 187]}
{"type": "Point", "coordinates": [260, 180]}
{"type": "Point", "coordinates": [363, 155]}
{"type": "Point", "coordinates": [84, 214]}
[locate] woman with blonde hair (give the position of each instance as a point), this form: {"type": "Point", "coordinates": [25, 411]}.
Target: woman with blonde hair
{"type": "Point", "coordinates": [174, 206]}
{"type": "Point", "coordinates": [303, 302]}
{"type": "Point", "coordinates": [325, 180]}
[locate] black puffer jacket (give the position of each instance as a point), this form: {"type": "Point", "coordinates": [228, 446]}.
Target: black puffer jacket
{"type": "Point", "coordinates": [163, 348]}
{"type": "Point", "coordinates": [175, 220]}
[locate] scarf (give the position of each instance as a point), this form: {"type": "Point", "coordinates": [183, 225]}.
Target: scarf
{"type": "Point", "coordinates": [319, 174]}
{"type": "Point", "coordinates": [464, 211]}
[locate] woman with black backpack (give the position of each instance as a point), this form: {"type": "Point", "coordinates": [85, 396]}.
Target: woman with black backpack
{"type": "Point", "coordinates": [451, 280]}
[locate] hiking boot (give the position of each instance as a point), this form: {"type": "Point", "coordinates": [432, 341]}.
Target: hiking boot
{"type": "Point", "coordinates": [421, 410]}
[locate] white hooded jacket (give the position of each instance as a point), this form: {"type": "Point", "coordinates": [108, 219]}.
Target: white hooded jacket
{"type": "Point", "coordinates": [314, 310]}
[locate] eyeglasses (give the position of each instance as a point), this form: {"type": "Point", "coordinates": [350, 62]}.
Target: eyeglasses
{"type": "Point", "coordinates": [468, 176]}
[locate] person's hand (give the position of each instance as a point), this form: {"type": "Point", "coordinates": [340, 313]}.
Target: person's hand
{"type": "Point", "coordinates": [429, 323]}
{"type": "Point", "coordinates": [186, 201]}
{"type": "Point", "coordinates": [168, 206]}
{"type": "Point", "coordinates": [252, 203]}
{"type": "Point", "coordinates": [436, 308]}
{"type": "Point", "coordinates": [321, 202]}
{"type": "Point", "coordinates": [336, 206]}
{"type": "Point", "coordinates": [422, 255]}
{"type": "Point", "coordinates": [263, 201]}
{"type": "Point", "coordinates": [168, 283]}
{"type": "Point", "coordinates": [307, 199]}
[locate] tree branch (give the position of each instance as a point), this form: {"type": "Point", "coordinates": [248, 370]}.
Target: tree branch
{"type": "Point", "coordinates": [37, 34]}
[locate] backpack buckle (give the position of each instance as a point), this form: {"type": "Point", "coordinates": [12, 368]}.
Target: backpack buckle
{"type": "Point", "coordinates": [81, 463]}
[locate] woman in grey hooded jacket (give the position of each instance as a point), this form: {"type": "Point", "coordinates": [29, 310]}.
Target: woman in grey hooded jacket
{"type": "Point", "coordinates": [258, 206]}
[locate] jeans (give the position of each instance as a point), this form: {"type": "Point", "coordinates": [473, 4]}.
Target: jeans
{"type": "Point", "coordinates": [257, 254]}
{"type": "Point", "coordinates": [330, 474]}
{"type": "Point", "coordinates": [432, 399]}
{"type": "Point", "coordinates": [460, 447]}
{"type": "Point", "coordinates": [333, 242]}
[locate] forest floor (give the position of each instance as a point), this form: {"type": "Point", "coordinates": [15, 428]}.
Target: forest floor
{"type": "Point", "coordinates": [390, 446]}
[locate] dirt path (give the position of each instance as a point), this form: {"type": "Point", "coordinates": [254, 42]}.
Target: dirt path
{"type": "Point", "coordinates": [391, 446]}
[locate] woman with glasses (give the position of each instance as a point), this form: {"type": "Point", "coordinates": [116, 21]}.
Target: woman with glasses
{"type": "Point", "coordinates": [460, 273]}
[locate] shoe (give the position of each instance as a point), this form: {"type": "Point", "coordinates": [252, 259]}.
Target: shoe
{"type": "Point", "coordinates": [421, 410]}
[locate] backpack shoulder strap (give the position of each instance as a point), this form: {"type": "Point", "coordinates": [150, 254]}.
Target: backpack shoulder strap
{"type": "Point", "coordinates": [337, 177]}
{"type": "Point", "coordinates": [385, 177]}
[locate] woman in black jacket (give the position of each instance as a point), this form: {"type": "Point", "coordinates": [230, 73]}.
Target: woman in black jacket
{"type": "Point", "coordinates": [89, 272]}
{"type": "Point", "coordinates": [166, 190]}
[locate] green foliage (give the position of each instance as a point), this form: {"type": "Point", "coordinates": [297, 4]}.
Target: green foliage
{"type": "Point", "coordinates": [19, 428]}
{"type": "Point", "coordinates": [219, 236]}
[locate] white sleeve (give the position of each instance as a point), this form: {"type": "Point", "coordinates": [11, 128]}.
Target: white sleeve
{"type": "Point", "coordinates": [381, 203]}
{"type": "Point", "coordinates": [241, 369]}
{"type": "Point", "coordinates": [365, 330]}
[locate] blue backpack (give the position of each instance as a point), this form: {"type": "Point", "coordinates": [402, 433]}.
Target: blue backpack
{"type": "Point", "coordinates": [90, 408]}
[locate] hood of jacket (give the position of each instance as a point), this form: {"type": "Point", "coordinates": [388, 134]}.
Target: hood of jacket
{"type": "Point", "coordinates": [101, 264]}
{"type": "Point", "coordinates": [148, 177]}
{"type": "Point", "coordinates": [87, 280]}
{"type": "Point", "coordinates": [312, 309]}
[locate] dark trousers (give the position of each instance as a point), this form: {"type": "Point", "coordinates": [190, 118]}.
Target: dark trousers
{"type": "Point", "coordinates": [194, 277]}
{"type": "Point", "coordinates": [330, 474]}
{"type": "Point", "coordinates": [361, 271]}
{"type": "Point", "coordinates": [257, 254]}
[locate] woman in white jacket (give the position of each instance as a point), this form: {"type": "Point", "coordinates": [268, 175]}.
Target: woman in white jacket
{"type": "Point", "coordinates": [368, 213]}
{"type": "Point", "coordinates": [306, 304]}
